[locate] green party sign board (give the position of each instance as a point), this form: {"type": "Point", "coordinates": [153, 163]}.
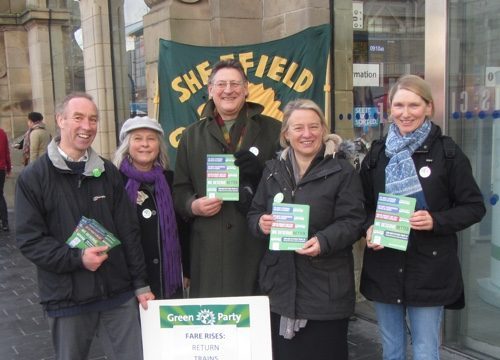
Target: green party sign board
{"type": "Point", "coordinates": [290, 228]}
{"type": "Point", "coordinates": [233, 328]}
{"type": "Point", "coordinates": [392, 221]}
{"type": "Point", "coordinates": [238, 315]}
{"type": "Point", "coordinates": [222, 177]}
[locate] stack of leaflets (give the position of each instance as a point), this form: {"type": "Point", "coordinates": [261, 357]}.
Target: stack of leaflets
{"type": "Point", "coordinates": [290, 228]}
{"type": "Point", "coordinates": [392, 221]}
{"type": "Point", "coordinates": [223, 177]}
{"type": "Point", "coordinates": [90, 233]}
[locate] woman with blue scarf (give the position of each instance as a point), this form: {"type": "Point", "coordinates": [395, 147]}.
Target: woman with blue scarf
{"type": "Point", "coordinates": [142, 160]}
{"type": "Point", "coordinates": [416, 160]}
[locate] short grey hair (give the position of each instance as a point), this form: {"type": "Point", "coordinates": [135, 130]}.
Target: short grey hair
{"type": "Point", "coordinates": [62, 107]}
{"type": "Point", "coordinates": [301, 104]}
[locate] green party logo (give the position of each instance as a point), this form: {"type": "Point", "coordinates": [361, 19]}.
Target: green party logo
{"type": "Point", "coordinates": [199, 315]}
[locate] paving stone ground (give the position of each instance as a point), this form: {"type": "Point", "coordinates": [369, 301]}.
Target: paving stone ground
{"type": "Point", "coordinates": [24, 333]}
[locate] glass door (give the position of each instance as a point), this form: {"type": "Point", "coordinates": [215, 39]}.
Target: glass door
{"type": "Point", "coordinates": [388, 44]}
{"type": "Point", "coordinates": [389, 41]}
{"type": "Point", "coordinates": [462, 63]}
{"type": "Point", "coordinates": [473, 121]}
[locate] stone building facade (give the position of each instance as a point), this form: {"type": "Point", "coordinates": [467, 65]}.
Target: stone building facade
{"type": "Point", "coordinates": [236, 22]}
{"type": "Point", "coordinates": [40, 60]}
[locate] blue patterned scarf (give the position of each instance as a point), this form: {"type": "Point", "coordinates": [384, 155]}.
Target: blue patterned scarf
{"type": "Point", "coordinates": [400, 174]}
{"type": "Point", "coordinates": [171, 251]}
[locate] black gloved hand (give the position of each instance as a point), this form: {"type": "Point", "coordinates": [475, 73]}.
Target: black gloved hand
{"type": "Point", "coordinates": [245, 201]}
{"type": "Point", "coordinates": [250, 168]}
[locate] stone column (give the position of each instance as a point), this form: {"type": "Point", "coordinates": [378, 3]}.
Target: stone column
{"type": "Point", "coordinates": [105, 67]}
{"type": "Point", "coordinates": [172, 20]}
{"type": "Point", "coordinates": [283, 18]}
{"type": "Point", "coordinates": [46, 48]}
{"type": "Point", "coordinates": [15, 94]}
{"type": "Point", "coordinates": [344, 39]}
{"type": "Point", "coordinates": [15, 81]}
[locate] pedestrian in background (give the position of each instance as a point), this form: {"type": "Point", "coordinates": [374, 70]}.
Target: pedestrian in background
{"type": "Point", "coordinates": [36, 139]}
{"type": "Point", "coordinates": [224, 255]}
{"type": "Point", "coordinates": [416, 160]}
{"type": "Point", "coordinates": [143, 162]}
{"type": "Point", "coordinates": [311, 290]}
{"type": "Point", "coordinates": [97, 289]}
{"type": "Point", "coordinates": [5, 169]}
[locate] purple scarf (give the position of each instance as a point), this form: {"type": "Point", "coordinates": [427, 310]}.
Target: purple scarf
{"type": "Point", "coordinates": [171, 252]}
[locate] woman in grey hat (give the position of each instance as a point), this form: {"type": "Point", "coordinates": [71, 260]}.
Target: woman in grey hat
{"type": "Point", "coordinates": [143, 162]}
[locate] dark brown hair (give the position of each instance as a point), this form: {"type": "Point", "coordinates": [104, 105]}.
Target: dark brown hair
{"type": "Point", "coordinates": [227, 64]}
{"type": "Point", "coordinates": [35, 116]}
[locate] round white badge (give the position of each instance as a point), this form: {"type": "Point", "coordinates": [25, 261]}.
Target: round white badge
{"type": "Point", "coordinates": [254, 150]}
{"type": "Point", "coordinates": [278, 198]}
{"type": "Point", "coordinates": [146, 213]}
{"type": "Point", "coordinates": [425, 171]}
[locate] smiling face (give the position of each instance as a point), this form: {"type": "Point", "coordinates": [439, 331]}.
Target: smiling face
{"type": "Point", "coordinates": [228, 99]}
{"type": "Point", "coordinates": [409, 111]}
{"type": "Point", "coordinates": [144, 147]}
{"type": "Point", "coordinates": [305, 133]}
{"type": "Point", "coordinates": [78, 125]}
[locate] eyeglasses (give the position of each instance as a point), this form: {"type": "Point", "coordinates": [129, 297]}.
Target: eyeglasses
{"type": "Point", "coordinates": [233, 85]}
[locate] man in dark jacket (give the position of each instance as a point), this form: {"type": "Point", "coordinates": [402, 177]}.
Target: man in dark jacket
{"type": "Point", "coordinates": [90, 290]}
{"type": "Point", "coordinates": [224, 256]}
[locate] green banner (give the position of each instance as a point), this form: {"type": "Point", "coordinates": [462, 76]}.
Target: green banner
{"type": "Point", "coordinates": [200, 315]}
{"type": "Point", "coordinates": [278, 71]}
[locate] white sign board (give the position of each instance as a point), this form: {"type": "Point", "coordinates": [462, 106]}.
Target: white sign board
{"type": "Point", "coordinates": [357, 15]}
{"type": "Point", "coordinates": [365, 75]}
{"type": "Point", "coordinates": [492, 76]}
{"type": "Point", "coordinates": [230, 328]}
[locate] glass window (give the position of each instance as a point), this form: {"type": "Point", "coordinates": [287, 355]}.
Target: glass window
{"type": "Point", "coordinates": [389, 44]}
{"type": "Point", "coordinates": [474, 103]}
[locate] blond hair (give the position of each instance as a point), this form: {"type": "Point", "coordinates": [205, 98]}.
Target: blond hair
{"type": "Point", "coordinates": [416, 85]}
{"type": "Point", "coordinates": [301, 104]}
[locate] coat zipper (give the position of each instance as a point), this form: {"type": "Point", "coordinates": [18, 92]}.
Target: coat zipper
{"type": "Point", "coordinates": [292, 187]}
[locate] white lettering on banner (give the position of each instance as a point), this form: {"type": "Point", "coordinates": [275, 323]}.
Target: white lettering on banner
{"type": "Point", "coordinates": [365, 75]}
{"type": "Point", "coordinates": [173, 318]}
{"type": "Point", "coordinates": [233, 317]}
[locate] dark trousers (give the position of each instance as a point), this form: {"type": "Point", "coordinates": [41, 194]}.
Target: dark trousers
{"type": "Point", "coordinates": [118, 329]}
{"type": "Point", "coordinates": [3, 205]}
{"type": "Point", "coordinates": [319, 340]}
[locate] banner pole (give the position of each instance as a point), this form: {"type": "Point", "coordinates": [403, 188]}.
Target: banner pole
{"type": "Point", "coordinates": [331, 66]}
{"type": "Point", "coordinates": [327, 89]}
{"type": "Point", "coordinates": [156, 101]}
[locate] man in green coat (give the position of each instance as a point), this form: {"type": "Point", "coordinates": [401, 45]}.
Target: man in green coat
{"type": "Point", "coordinates": [224, 256]}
